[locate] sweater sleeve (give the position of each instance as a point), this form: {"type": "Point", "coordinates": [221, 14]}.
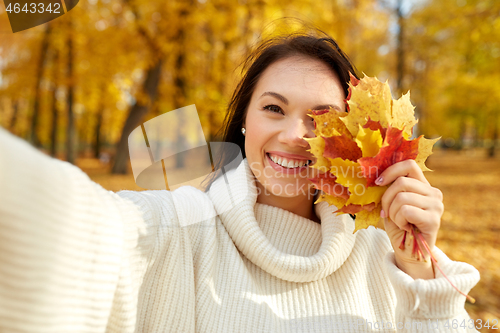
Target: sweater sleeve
{"type": "Point", "coordinates": [72, 255]}
{"type": "Point", "coordinates": [433, 305]}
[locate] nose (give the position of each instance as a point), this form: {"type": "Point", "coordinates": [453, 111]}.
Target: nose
{"type": "Point", "coordinates": [295, 131]}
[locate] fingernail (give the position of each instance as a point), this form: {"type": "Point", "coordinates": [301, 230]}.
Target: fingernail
{"type": "Point", "coordinates": [382, 214]}
{"type": "Point", "coordinates": [379, 180]}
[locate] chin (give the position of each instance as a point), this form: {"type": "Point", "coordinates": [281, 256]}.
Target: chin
{"type": "Point", "coordinates": [289, 189]}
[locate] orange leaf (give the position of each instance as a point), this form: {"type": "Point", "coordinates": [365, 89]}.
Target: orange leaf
{"type": "Point", "coordinates": [327, 183]}
{"type": "Point", "coordinates": [342, 146]}
{"type": "Point", "coordinates": [375, 125]}
{"type": "Point", "coordinates": [394, 149]}
{"type": "Point", "coordinates": [354, 209]}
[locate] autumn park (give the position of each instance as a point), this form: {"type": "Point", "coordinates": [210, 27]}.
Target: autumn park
{"type": "Point", "coordinates": [76, 87]}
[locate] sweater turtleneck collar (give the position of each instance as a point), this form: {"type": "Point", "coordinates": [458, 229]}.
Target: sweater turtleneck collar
{"type": "Point", "coordinates": [234, 197]}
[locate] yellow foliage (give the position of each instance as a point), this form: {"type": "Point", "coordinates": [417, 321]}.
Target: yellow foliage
{"type": "Point", "coordinates": [365, 98]}
{"type": "Point", "coordinates": [332, 200]}
{"type": "Point", "coordinates": [330, 124]}
{"type": "Point", "coordinates": [424, 150]}
{"type": "Point", "coordinates": [369, 141]}
{"type": "Point", "coordinates": [366, 218]}
{"type": "Point", "coordinates": [317, 145]}
{"type": "Point", "coordinates": [350, 175]}
{"type": "Point", "coordinates": [402, 115]}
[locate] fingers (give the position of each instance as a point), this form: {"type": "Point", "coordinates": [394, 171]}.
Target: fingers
{"type": "Point", "coordinates": [408, 168]}
{"type": "Point", "coordinates": [410, 198]}
{"type": "Point", "coordinates": [404, 186]}
{"type": "Point", "coordinates": [404, 210]}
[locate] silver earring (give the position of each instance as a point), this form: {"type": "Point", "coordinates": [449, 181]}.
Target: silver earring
{"type": "Point", "coordinates": [243, 130]}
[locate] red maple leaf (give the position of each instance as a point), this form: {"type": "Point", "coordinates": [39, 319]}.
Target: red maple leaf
{"type": "Point", "coordinates": [394, 149]}
{"type": "Point", "coordinates": [354, 82]}
{"type": "Point", "coordinates": [318, 112]}
{"type": "Point", "coordinates": [327, 183]}
{"type": "Point", "coordinates": [354, 209]}
{"type": "Point", "coordinates": [375, 125]}
{"type": "Point", "coordinates": [342, 146]}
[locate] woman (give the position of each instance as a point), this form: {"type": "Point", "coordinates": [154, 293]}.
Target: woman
{"type": "Point", "coordinates": [76, 258]}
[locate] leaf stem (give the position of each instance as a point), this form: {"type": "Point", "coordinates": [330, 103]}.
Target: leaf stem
{"type": "Point", "coordinates": [402, 245]}
{"type": "Point", "coordinates": [426, 246]}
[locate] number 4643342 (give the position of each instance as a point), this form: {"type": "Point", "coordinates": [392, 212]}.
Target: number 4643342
{"type": "Point", "coordinates": [32, 8]}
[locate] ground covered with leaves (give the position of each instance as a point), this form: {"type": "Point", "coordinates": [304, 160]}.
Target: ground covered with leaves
{"type": "Point", "coordinates": [470, 225]}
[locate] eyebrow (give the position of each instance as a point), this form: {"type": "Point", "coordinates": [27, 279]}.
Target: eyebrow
{"type": "Point", "coordinates": [276, 95]}
{"type": "Point", "coordinates": [285, 101]}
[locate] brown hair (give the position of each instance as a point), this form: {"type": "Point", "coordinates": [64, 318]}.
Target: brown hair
{"type": "Point", "coordinates": [322, 47]}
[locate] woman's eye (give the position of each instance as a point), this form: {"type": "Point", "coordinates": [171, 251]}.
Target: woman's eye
{"type": "Point", "coordinates": [273, 108]}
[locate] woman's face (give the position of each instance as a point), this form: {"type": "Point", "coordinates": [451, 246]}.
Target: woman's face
{"type": "Point", "coordinates": [277, 121]}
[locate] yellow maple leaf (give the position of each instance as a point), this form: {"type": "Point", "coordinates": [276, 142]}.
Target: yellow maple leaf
{"type": "Point", "coordinates": [350, 175]}
{"type": "Point", "coordinates": [317, 145]}
{"type": "Point", "coordinates": [366, 195]}
{"type": "Point", "coordinates": [369, 141]}
{"type": "Point", "coordinates": [375, 87]}
{"type": "Point", "coordinates": [332, 200]}
{"type": "Point", "coordinates": [402, 115]}
{"type": "Point", "coordinates": [424, 151]}
{"type": "Point", "coordinates": [329, 124]}
{"type": "Point", "coordinates": [365, 218]}
{"type": "Point", "coordinates": [369, 99]}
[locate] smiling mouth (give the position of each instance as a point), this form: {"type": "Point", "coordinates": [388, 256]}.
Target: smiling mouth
{"type": "Point", "coordinates": [287, 162]}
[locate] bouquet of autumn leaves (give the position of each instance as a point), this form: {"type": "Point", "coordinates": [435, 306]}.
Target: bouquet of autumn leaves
{"type": "Point", "coordinates": [352, 149]}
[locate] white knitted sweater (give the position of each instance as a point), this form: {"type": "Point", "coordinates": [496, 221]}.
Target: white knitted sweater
{"type": "Point", "coordinates": [77, 258]}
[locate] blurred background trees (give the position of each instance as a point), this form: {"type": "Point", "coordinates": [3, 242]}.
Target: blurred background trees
{"type": "Point", "coordinates": [81, 83]}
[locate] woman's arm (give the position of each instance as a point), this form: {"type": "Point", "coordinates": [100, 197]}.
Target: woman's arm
{"type": "Point", "coordinates": [410, 200]}
{"type": "Point", "coordinates": [433, 305]}
{"type": "Point", "coordinates": [69, 259]}
{"type": "Point", "coordinates": [426, 300]}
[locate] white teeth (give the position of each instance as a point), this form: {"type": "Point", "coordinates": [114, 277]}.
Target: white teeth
{"type": "Point", "coordinates": [286, 163]}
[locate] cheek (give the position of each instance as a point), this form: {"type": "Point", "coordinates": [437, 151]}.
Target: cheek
{"type": "Point", "coordinates": [255, 136]}
{"type": "Point", "coordinates": [253, 147]}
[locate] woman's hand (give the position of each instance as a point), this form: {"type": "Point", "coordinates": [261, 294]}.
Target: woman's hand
{"type": "Point", "coordinates": [410, 199]}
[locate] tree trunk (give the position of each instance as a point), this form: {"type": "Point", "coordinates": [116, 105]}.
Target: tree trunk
{"type": "Point", "coordinates": [34, 139]}
{"type": "Point", "coordinates": [55, 114]}
{"type": "Point", "coordinates": [463, 132]}
{"type": "Point", "coordinates": [400, 48]}
{"type": "Point", "coordinates": [180, 80]}
{"type": "Point", "coordinates": [98, 124]}
{"type": "Point", "coordinates": [135, 116]}
{"type": "Point", "coordinates": [150, 88]}
{"type": "Point", "coordinates": [492, 148]}
{"type": "Point", "coordinates": [70, 130]}
{"type": "Point", "coordinates": [15, 116]}
{"type": "Point", "coordinates": [180, 84]}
